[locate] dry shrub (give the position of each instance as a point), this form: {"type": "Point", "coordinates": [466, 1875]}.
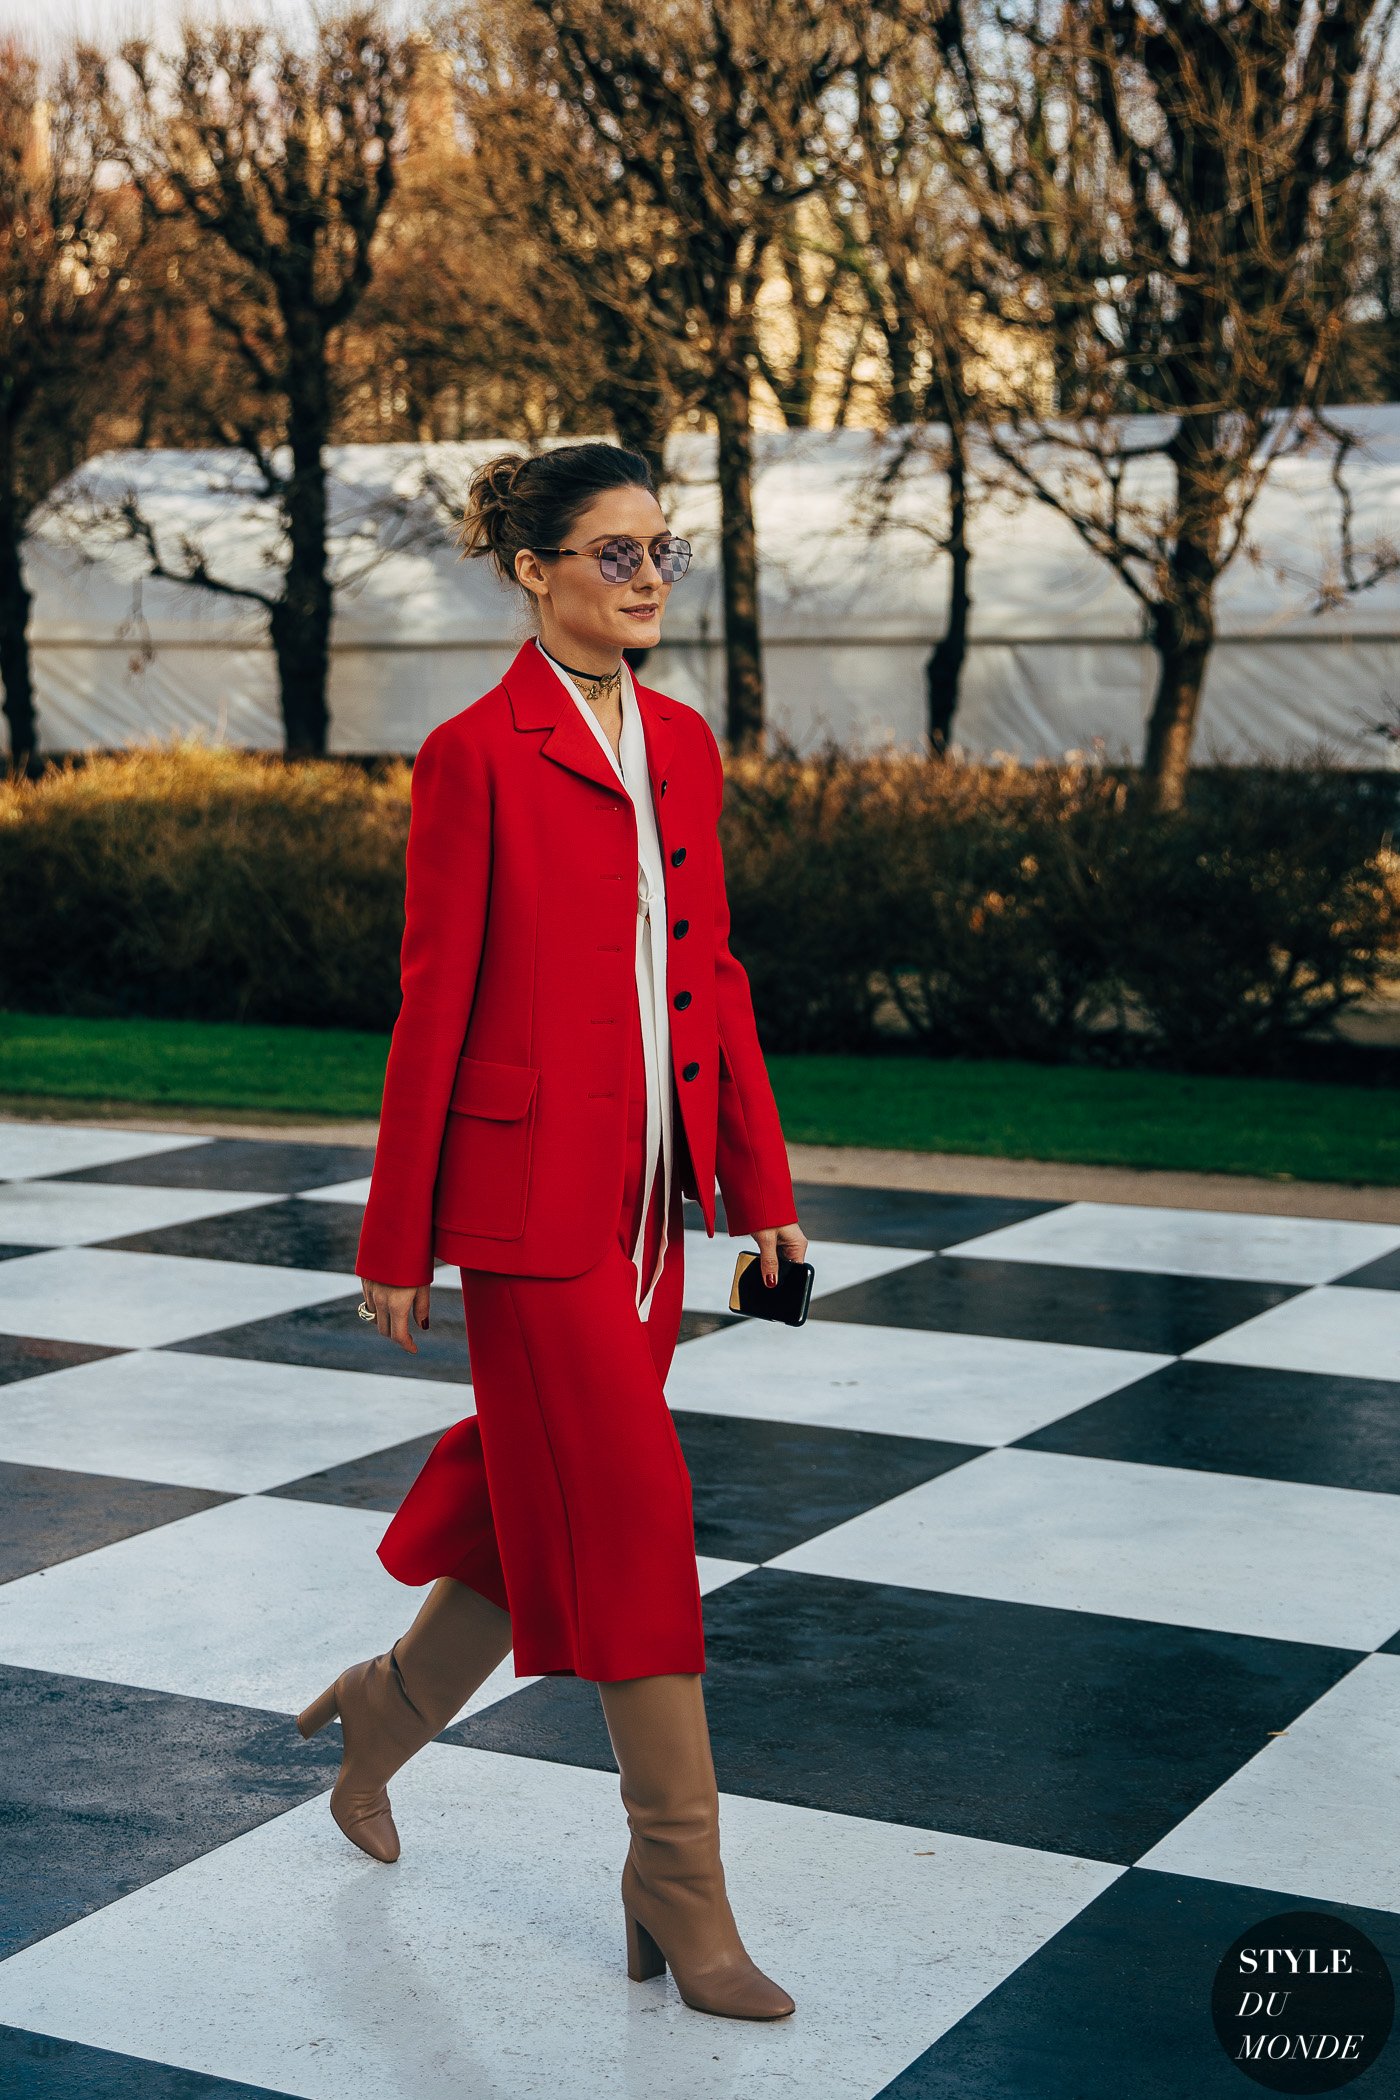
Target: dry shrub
{"type": "Point", "coordinates": [1047, 911]}
{"type": "Point", "coordinates": [1040, 911]}
{"type": "Point", "coordinates": [209, 884]}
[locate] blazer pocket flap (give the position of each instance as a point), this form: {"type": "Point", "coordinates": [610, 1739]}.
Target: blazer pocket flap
{"type": "Point", "coordinates": [484, 1088]}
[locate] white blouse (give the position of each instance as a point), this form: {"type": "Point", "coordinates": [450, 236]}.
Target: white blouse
{"type": "Point", "coordinates": [650, 958]}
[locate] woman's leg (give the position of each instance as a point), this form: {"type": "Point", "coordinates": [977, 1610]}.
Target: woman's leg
{"type": "Point", "coordinates": [392, 1705]}
{"type": "Point", "coordinates": [675, 1902]}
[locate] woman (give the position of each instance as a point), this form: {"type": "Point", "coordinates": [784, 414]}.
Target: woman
{"type": "Point", "coordinates": [576, 1051]}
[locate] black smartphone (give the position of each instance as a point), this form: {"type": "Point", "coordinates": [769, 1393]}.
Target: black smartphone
{"type": "Point", "coordinates": [788, 1298]}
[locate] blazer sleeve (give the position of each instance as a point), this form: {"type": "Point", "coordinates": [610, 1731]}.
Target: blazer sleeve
{"type": "Point", "coordinates": [447, 890]}
{"type": "Point", "coordinates": [751, 1162]}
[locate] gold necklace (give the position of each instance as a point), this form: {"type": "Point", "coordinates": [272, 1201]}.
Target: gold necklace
{"type": "Point", "coordinates": [594, 686]}
{"type": "Point", "coordinates": [596, 689]}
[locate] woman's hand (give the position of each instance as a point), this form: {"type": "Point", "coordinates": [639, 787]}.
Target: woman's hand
{"type": "Point", "coordinates": [391, 1304]}
{"type": "Point", "coordinates": [788, 1240]}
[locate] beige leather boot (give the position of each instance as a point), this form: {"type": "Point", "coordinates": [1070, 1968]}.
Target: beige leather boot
{"type": "Point", "coordinates": [392, 1705]}
{"type": "Point", "coordinates": [673, 1892]}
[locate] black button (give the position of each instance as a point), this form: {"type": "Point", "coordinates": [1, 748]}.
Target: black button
{"type": "Point", "coordinates": [690, 1071]}
{"type": "Point", "coordinates": [678, 856]}
{"type": "Point", "coordinates": [663, 787]}
{"type": "Point", "coordinates": [681, 928]}
{"type": "Point", "coordinates": [682, 1000]}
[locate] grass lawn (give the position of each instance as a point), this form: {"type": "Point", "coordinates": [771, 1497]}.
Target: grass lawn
{"type": "Point", "coordinates": [1284, 1129]}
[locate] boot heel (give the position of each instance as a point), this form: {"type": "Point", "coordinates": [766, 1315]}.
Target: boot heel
{"type": "Point", "coordinates": [319, 1712]}
{"type": "Point", "coordinates": [644, 1957]}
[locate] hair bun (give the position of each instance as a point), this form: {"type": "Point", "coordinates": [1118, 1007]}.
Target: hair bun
{"type": "Point", "coordinates": [509, 509]}
{"type": "Point", "coordinates": [490, 505]}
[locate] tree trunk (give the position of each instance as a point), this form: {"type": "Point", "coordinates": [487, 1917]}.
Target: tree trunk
{"type": "Point", "coordinates": [16, 678]}
{"type": "Point", "coordinates": [642, 427]}
{"type": "Point", "coordinates": [1183, 648]}
{"type": "Point", "coordinates": [943, 672]}
{"type": "Point", "coordinates": [301, 620]}
{"type": "Point", "coordinates": [739, 560]}
{"type": "Point", "coordinates": [1183, 626]}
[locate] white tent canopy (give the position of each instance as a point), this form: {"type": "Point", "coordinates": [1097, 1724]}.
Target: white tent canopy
{"type": "Point", "coordinates": [1056, 658]}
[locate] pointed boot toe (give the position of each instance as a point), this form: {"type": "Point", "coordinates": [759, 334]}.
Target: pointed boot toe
{"type": "Point", "coordinates": [367, 1821]}
{"type": "Point", "coordinates": [674, 1898]}
{"type": "Point", "coordinates": [726, 1980]}
{"type": "Point", "coordinates": [393, 1705]}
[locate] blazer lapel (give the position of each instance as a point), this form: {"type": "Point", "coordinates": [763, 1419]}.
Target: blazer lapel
{"type": "Point", "coordinates": [540, 700]}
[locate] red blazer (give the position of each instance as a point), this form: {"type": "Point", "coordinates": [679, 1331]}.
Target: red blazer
{"type": "Point", "coordinates": [502, 1140]}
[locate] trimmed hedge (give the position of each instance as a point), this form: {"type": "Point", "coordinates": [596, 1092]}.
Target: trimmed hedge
{"type": "Point", "coordinates": [1025, 911]}
{"type": "Point", "coordinates": [198, 884]}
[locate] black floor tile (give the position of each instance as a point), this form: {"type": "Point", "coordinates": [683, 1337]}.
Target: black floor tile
{"type": "Point", "coordinates": [23, 1356]}
{"type": "Point", "coordinates": [42, 2067]}
{"type": "Point", "coordinates": [888, 1217]}
{"type": "Point", "coordinates": [1045, 1302]}
{"type": "Point", "coordinates": [1381, 1275]}
{"type": "Point", "coordinates": [285, 1235]}
{"type": "Point", "coordinates": [53, 1515]}
{"type": "Point", "coordinates": [280, 1167]}
{"type": "Point", "coordinates": [1118, 2003]}
{"type": "Point", "coordinates": [905, 1217]}
{"type": "Point", "coordinates": [1237, 1418]}
{"type": "Point", "coordinates": [333, 1336]}
{"type": "Point", "coordinates": [108, 1786]}
{"type": "Point", "coordinates": [378, 1481]}
{"type": "Point", "coordinates": [1069, 1731]}
{"type": "Point", "coordinates": [761, 1487]}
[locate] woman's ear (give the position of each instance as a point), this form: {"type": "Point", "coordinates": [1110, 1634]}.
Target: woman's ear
{"type": "Point", "coordinates": [529, 572]}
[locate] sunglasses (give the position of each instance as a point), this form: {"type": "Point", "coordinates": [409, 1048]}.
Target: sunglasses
{"type": "Point", "coordinates": [619, 559]}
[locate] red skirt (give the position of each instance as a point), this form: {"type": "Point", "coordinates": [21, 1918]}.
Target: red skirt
{"type": "Point", "coordinates": [566, 1498]}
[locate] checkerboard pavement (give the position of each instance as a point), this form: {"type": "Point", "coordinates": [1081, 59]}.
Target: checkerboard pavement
{"type": "Point", "coordinates": [1052, 1599]}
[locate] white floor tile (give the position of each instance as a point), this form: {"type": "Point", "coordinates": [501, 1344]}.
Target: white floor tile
{"type": "Point", "coordinates": [258, 1602]}
{"type": "Point", "coordinates": [146, 1301]}
{"type": "Point", "coordinates": [72, 1213]}
{"type": "Point", "coordinates": [489, 1961]}
{"type": "Point", "coordinates": [1317, 1812]}
{"type": "Point", "coordinates": [901, 1381]}
{"type": "Point", "coordinates": [709, 1266]}
{"type": "Point", "coordinates": [1272, 1557]}
{"type": "Point", "coordinates": [1343, 1330]}
{"type": "Point", "coordinates": [66, 1148]}
{"type": "Point", "coordinates": [339, 1192]}
{"type": "Point", "coordinates": [1188, 1242]}
{"type": "Point", "coordinates": [214, 1421]}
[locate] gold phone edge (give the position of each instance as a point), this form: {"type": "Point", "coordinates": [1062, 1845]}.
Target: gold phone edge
{"type": "Point", "coordinates": [744, 1259]}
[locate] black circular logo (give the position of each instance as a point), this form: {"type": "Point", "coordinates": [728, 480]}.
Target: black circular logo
{"type": "Point", "coordinates": [1303, 2003]}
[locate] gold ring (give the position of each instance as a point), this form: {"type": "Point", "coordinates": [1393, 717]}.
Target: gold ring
{"type": "Point", "coordinates": [364, 1311]}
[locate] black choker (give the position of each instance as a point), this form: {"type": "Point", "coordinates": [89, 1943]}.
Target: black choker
{"type": "Point", "coordinates": [592, 676]}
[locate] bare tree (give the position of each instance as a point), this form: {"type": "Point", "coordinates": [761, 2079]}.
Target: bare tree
{"type": "Point", "coordinates": [599, 294]}
{"type": "Point", "coordinates": [918, 250]}
{"type": "Point", "coordinates": [1169, 200]}
{"type": "Point", "coordinates": [702, 118]}
{"type": "Point", "coordinates": [277, 162]}
{"type": "Point", "coordinates": [65, 244]}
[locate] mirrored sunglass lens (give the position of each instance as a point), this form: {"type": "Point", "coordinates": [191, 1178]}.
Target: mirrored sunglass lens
{"type": "Point", "coordinates": [619, 560]}
{"type": "Point", "coordinates": [672, 559]}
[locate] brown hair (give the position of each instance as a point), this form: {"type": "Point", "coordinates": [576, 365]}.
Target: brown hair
{"type": "Point", "coordinates": [523, 499]}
